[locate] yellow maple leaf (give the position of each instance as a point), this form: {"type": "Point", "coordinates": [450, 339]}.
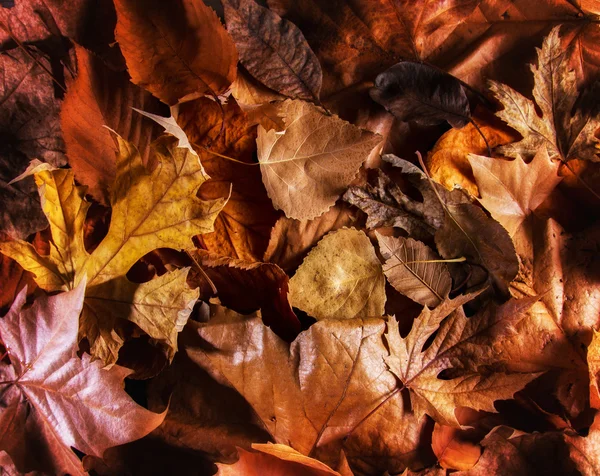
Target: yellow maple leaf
{"type": "Point", "coordinates": [149, 210]}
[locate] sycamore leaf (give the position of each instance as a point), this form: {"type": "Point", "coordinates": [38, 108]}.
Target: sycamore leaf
{"type": "Point", "coordinates": [177, 50]}
{"type": "Point", "coordinates": [415, 270]}
{"type": "Point", "coordinates": [308, 165]}
{"type": "Point", "coordinates": [102, 97]}
{"type": "Point", "coordinates": [149, 210]}
{"type": "Point", "coordinates": [584, 451]}
{"type": "Point", "coordinates": [284, 384]}
{"type": "Point", "coordinates": [274, 459]}
{"type": "Point", "coordinates": [423, 94]}
{"type": "Point", "coordinates": [51, 399]}
{"type": "Point", "coordinates": [273, 50]}
{"type": "Point", "coordinates": [565, 134]}
{"type": "Point", "coordinates": [418, 366]}
{"type": "Point", "coordinates": [511, 190]}
{"type": "Point", "coordinates": [340, 278]}
{"type": "Point", "coordinates": [593, 359]}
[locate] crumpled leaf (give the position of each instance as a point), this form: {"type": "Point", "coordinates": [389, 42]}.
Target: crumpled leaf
{"type": "Point", "coordinates": [274, 459]}
{"type": "Point", "coordinates": [511, 190]}
{"type": "Point", "coordinates": [102, 97]}
{"type": "Point", "coordinates": [242, 228]}
{"type": "Point", "coordinates": [31, 129]}
{"type": "Point", "coordinates": [177, 50]}
{"type": "Point", "coordinates": [423, 94]}
{"type": "Point", "coordinates": [52, 399]}
{"type": "Point", "coordinates": [584, 451]}
{"type": "Point", "coordinates": [144, 217]}
{"type": "Point", "coordinates": [308, 165]}
{"type": "Point", "coordinates": [284, 385]}
{"type": "Point", "coordinates": [418, 367]}
{"type": "Point", "coordinates": [565, 134]}
{"type": "Point", "coordinates": [273, 50]}
{"type": "Point", "coordinates": [341, 278]}
{"type": "Point", "coordinates": [412, 270]}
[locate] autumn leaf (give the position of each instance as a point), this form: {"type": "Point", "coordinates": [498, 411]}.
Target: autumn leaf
{"type": "Point", "coordinates": [308, 165]}
{"type": "Point", "coordinates": [565, 134]}
{"type": "Point", "coordinates": [31, 129]}
{"type": "Point", "coordinates": [102, 97]}
{"type": "Point", "coordinates": [418, 367]}
{"type": "Point", "coordinates": [284, 385]}
{"type": "Point", "coordinates": [53, 400]}
{"type": "Point", "coordinates": [415, 270]}
{"type": "Point", "coordinates": [143, 218]}
{"type": "Point", "coordinates": [511, 190]}
{"type": "Point", "coordinates": [275, 459]}
{"type": "Point", "coordinates": [423, 94]}
{"type": "Point", "coordinates": [341, 278]}
{"type": "Point", "coordinates": [593, 358]}
{"type": "Point", "coordinates": [273, 50]}
{"type": "Point", "coordinates": [191, 53]}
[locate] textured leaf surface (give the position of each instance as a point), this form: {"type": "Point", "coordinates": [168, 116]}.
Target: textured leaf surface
{"type": "Point", "coordinates": [53, 400]}
{"type": "Point", "coordinates": [340, 278]}
{"type": "Point", "coordinates": [308, 165]}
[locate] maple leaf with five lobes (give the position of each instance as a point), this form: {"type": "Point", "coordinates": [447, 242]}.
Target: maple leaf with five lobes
{"type": "Point", "coordinates": [52, 400]}
{"type": "Point", "coordinates": [457, 339]}
{"type": "Point", "coordinates": [566, 134]}
{"type": "Point", "coordinates": [149, 210]}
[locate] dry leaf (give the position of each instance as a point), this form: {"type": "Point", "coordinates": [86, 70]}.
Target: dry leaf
{"type": "Point", "coordinates": [52, 400]}
{"type": "Point", "coordinates": [284, 385]}
{"type": "Point", "coordinates": [418, 367]}
{"type": "Point", "coordinates": [415, 270]}
{"type": "Point", "coordinates": [423, 94]}
{"type": "Point", "coordinates": [273, 50]}
{"type": "Point", "coordinates": [512, 190]}
{"type": "Point", "coordinates": [177, 50]}
{"type": "Point", "coordinates": [308, 165]}
{"type": "Point", "coordinates": [143, 218]}
{"type": "Point", "coordinates": [101, 97]}
{"type": "Point", "coordinates": [274, 459]}
{"type": "Point", "coordinates": [452, 451]}
{"type": "Point", "coordinates": [565, 133]}
{"type": "Point", "coordinates": [340, 278]}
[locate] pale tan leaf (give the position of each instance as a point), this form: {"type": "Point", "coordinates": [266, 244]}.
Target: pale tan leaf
{"type": "Point", "coordinates": [309, 164]}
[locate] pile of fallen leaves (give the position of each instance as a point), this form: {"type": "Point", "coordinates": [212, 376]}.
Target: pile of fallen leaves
{"type": "Point", "coordinates": [305, 237]}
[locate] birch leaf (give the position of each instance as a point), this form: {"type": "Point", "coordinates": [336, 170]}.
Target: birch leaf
{"type": "Point", "coordinates": [340, 278]}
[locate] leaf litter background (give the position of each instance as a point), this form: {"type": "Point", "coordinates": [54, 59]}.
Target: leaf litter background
{"type": "Point", "coordinates": [343, 237]}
